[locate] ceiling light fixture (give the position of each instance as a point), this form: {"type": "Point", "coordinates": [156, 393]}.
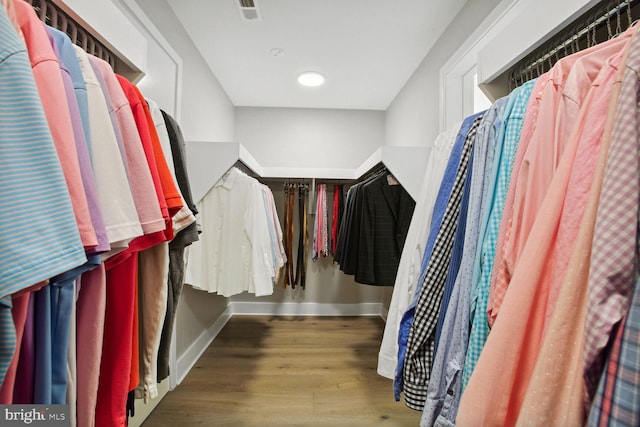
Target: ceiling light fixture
{"type": "Point", "coordinates": [311, 79]}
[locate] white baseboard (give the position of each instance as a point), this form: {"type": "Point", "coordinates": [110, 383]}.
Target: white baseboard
{"type": "Point", "coordinates": [304, 309]}
{"type": "Point", "coordinates": [188, 359]}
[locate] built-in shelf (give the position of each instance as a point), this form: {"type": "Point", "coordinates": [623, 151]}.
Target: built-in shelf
{"type": "Point", "coordinates": [208, 161]}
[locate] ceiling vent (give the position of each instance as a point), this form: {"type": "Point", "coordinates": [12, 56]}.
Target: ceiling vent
{"type": "Point", "coordinates": [248, 10]}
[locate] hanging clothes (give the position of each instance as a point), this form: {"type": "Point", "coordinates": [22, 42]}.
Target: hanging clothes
{"type": "Point", "coordinates": [184, 236]}
{"type": "Point", "coordinates": [419, 348]}
{"type": "Point", "coordinates": [321, 234]}
{"type": "Point", "coordinates": [235, 252]}
{"type": "Point", "coordinates": [553, 234]}
{"type": "Point", "coordinates": [337, 213]}
{"type": "Point", "coordinates": [414, 247]}
{"type": "Point", "coordinates": [442, 197]}
{"type": "Point", "coordinates": [294, 275]}
{"type": "Point", "coordinates": [445, 383]}
{"type": "Point", "coordinates": [301, 265]}
{"type": "Point", "coordinates": [373, 229]}
{"type": "Point", "coordinates": [522, 248]}
{"type": "Point", "coordinates": [104, 194]}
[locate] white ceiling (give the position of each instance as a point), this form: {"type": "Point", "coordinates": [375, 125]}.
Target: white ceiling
{"type": "Point", "coordinates": [367, 49]}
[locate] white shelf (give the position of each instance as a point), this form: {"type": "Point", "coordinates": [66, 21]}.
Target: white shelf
{"type": "Point", "coordinates": [208, 161]}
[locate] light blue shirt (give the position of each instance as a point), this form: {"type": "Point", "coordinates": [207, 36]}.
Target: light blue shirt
{"type": "Point", "coordinates": [490, 225]}
{"type": "Point", "coordinates": [39, 234]}
{"type": "Point", "coordinates": [40, 237]}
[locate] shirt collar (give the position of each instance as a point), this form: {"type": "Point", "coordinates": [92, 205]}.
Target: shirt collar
{"type": "Point", "coordinates": [228, 179]}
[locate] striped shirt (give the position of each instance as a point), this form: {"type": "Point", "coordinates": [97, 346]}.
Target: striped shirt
{"type": "Point", "coordinates": [40, 237]}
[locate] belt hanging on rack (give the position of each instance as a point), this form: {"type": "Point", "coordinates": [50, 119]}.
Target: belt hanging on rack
{"type": "Point", "coordinates": [302, 240]}
{"type": "Point", "coordinates": [291, 278]}
{"type": "Point", "coordinates": [288, 235]}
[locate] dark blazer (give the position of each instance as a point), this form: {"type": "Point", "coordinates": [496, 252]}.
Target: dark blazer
{"type": "Point", "coordinates": [383, 225]}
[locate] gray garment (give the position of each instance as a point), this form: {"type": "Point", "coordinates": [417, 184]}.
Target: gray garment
{"type": "Point", "coordinates": [177, 246]}
{"type": "Point", "coordinates": [175, 283]}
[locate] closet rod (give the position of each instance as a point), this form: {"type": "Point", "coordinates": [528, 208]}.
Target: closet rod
{"type": "Point", "coordinates": [239, 164]}
{"type": "Point", "coordinates": [376, 170]}
{"type": "Point", "coordinates": [541, 60]}
{"type": "Point", "coordinates": [51, 14]}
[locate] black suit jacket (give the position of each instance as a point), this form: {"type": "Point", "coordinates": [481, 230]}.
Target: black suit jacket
{"type": "Point", "coordinates": [383, 225]}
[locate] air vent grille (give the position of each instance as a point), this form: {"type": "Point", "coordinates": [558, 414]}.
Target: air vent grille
{"type": "Point", "coordinates": [248, 10]}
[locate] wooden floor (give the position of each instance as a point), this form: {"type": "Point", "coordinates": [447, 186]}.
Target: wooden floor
{"type": "Point", "coordinates": [283, 371]}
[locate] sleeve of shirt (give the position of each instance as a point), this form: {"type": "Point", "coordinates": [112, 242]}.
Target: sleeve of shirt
{"type": "Point", "coordinates": [257, 229]}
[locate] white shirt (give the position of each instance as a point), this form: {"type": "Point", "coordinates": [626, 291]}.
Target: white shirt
{"type": "Point", "coordinates": [233, 254]}
{"type": "Point", "coordinates": [277, 249]}
{"type": "Point", "coordinates": [112, 183]}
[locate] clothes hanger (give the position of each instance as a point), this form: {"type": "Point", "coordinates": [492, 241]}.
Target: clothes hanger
{"type": "Point", "coordinates": [609, 30]}
{"type": "Point", "coordinates": [618, 19]}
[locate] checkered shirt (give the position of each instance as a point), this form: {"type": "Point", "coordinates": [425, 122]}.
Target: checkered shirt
{"type": "Point", "coordinates": [611, 273]}
{"type": "Point", "coordinates": [419, 357]}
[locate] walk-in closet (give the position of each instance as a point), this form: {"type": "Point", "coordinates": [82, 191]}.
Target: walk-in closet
{"type": "Point", "coordinates": [319, 213]}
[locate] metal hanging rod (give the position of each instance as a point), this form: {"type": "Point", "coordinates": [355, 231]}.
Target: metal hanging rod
{"type": "Point", "coordinates": [51, 14]}
{"type": "Point", "coordinates": [584, 29]}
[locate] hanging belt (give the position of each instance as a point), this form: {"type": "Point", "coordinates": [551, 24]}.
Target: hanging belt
{"type": "Point", "coordinates": [292, 199]}
{"type": "Point", "coordinates": [285, 237]}
{"type": "Point", "coordinates": [302, 240]}
{"type": "Point", "coordinates": [289, 192]}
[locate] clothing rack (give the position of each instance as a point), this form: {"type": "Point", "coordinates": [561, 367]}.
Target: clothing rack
{"type": "Point", "coordinates": [302, 185]}
{"type": "Point", "coordinates": [604, 21]}
{"type": "Point", "coordinates": [52, 14]}
{"type": "Point", "coordinates": [376, 170]}
{"type": "Point", "coordinates": [245, 169]}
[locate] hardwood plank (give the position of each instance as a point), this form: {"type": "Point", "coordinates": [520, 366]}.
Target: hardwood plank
{"type": "Point", "coordinates": [288, 371]}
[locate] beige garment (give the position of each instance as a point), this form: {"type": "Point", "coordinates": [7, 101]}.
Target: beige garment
{"type": "Point", "coordinates": [153, 274]}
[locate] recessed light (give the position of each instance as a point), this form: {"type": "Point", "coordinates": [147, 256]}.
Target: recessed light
{"type": "Point", "coordinates": [311, 79]}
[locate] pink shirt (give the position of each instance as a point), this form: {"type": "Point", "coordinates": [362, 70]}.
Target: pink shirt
{"type": "Point", "coordinates": [558, 399]}
{"type": "Point", "coordinates": [46, 71]}
{"type": "Point", "coordinates": [499, 382]}
{"type": "Point", "coordinates": [142, 186]}
{"type": "Point", "coordinates": [559, 102]}
{"type": "Point", "coordinates": [590, 134]}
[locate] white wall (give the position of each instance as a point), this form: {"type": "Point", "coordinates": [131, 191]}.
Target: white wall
{"type": "Point", "coordinates": [108, 20]}
{"type": "Point", "coordinates": [539, 26]}
{"type": "Point", "coordinates": [207, 111]}
{"type": "Point", "coordinates": [413, 118]}
{"type": "Point", "coordinates": [313, 138]}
